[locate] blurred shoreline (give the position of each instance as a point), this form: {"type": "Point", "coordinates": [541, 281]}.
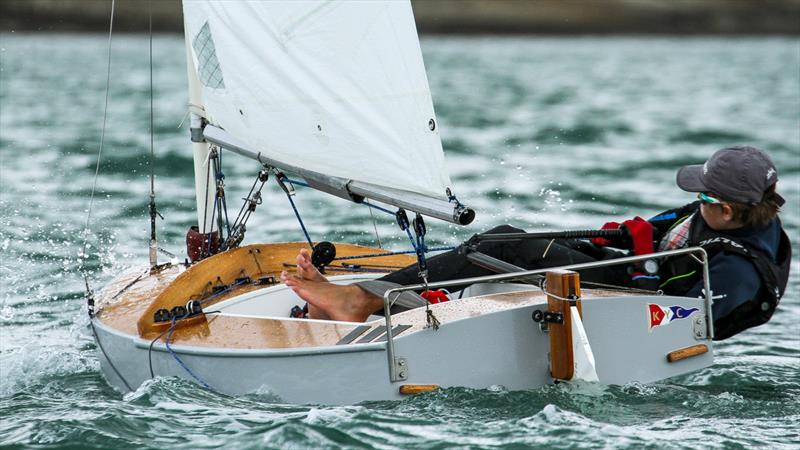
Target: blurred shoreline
{"type": "Point", "coordinates": [554, 17]}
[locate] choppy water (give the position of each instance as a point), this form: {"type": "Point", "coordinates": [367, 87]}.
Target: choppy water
{"type": "Point", "coordinates": [547, 133]}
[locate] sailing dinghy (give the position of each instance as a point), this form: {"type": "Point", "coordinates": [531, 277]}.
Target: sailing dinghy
{"type": "Point", "coordinates": [336, 95]}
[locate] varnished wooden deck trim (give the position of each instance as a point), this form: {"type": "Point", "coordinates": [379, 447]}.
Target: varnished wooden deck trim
{"type": "Point", "coordinates": [129, 299]}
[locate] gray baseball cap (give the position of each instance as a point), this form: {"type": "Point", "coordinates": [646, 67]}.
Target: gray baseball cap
{"type": "Point", "coordinates": [737, 174]}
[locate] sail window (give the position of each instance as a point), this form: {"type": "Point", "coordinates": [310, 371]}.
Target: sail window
{"type": "Point", "coordinates": [208, 67]}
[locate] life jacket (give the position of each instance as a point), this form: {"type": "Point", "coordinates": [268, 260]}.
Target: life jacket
{"type": "Point", "coordinates": [679, 274]}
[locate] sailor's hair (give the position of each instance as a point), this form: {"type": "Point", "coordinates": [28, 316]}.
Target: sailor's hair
{"type": "Point", "coordinates": [759, 214]}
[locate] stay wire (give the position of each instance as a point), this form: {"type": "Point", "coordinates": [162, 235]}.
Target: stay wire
{"type": "Point", "coordinates": [153, 209]}
{"type": "Point", "coordinates": [100, 150]}
{"type": "Point", "coordinates": [244, 205]}
{"type": "Point", "coordinates": [105, 355]}
{"type": "Point", "coordinates": [91, 200]}
{"type": "Point", "coordinates": [205, 207]}
{"type": "Point", "coordinates": [219, 176]}
{"type": "Point", "coordinates": [152, 129]}
{"type": "Point", "coordinates": [374, 224]}
{"type": "Point", "coordinates": [299, 219]}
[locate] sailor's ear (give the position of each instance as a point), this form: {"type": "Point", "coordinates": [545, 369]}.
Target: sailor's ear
{"type": "Point", "coordinates": [727, 212]}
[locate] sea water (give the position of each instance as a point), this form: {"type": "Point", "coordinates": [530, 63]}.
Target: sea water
{"type": "Point", "coordinates": [543, 133]}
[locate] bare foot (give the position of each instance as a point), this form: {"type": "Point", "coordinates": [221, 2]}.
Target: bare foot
{"type": "Point", "coordinates": [305, 269]}
{"type": "Point", "coordinates": [336, 302]}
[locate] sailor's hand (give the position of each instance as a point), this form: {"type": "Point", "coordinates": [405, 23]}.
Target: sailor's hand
{"type": "Point", "coordinates": [640, 235]}
{"type": "Point", "coordinates": [604, 242]}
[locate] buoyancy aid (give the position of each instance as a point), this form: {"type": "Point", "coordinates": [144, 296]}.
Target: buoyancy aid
{"type": "Point", "coordinates": [679, 274]}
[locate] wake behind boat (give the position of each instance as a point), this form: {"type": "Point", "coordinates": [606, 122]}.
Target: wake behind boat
{"type": "Point", "coordinates": [336, 95]}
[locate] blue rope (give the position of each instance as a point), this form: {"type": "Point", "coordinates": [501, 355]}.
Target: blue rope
{"type": "Point", "coordinates": [378, 208]}
{"type": "Point", "coordinates": [419, 248]}
{"type": "Point", "coordinates": [453, 199]}
{"type": "Point", "coordinates": [300, 219]}
{"type": "Point", "coordinates": [300, 183]}
{"type": "Point", "coordinates": [174, 355]}
{"type": "Point", "coordinates": [411, 238]}
{"type": "Point", "coordinates": [646, 277]}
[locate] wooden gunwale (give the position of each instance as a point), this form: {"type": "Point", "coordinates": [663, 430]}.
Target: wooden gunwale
{"type": "Point", "coordinates": [133, 297]}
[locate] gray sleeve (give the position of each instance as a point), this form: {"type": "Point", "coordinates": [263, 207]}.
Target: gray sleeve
{"type": "Point", "coordinates": [407, 299]}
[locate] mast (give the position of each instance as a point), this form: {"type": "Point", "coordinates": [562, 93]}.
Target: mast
{"type": "Point", "coordinates": [203, 177]}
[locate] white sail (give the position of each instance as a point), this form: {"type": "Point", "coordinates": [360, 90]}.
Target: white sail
{"type": "Point", "coordinates": [335, 87]}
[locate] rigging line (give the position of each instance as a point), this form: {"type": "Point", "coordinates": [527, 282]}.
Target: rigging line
{"type": "Point", "coordinates": [152, 132]}
{"type": "Point", "coordinates": [213, 214]}
{"type": "Point", "coordinates": [227, 289]}
{"type": "Point", "coordinates": [153, 211]}
{"type": "Point", "coordinates": [300, 183]}
{"type": "Point", "coordinates": [174, 355]}
{"type": "Point", "coordinates": [150, 348]}
{"type": "Point", "coordinates": [402, 252]}
{"type": "Point", "coordinates": [297, 182]}
{"type": "Point", "coordinates": [223, 201]}
{"type": "Point", "coordinates": [150, 353]}
{"type": "Point", "coordinates": [103, 351]}
{"type": "Point", "coordinates": [374, 224]}
{"type": "Point", "coordinates": [244, 205]}
{"type": "Point", "coordinates": [299, 219]}
{"type": "Point", "coordinates": [219, 199]}
{"type": "Point", "coordinates": [411, 238]}
{"type": "Point", "coordinates": [379, 208]}
{"type": "Point", "coordinates": [356, 269]}
{"type": "Point", "coordinates": [205, 202]}
{"type": "Point", "coordinates": [102, 141]}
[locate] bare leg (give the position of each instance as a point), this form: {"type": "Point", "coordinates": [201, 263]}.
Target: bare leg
{"type": "Point", "coordinates": [332, 301]}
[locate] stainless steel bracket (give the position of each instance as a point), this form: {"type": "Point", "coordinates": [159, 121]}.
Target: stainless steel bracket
{"type": "Point", "coordinates": [700, 327]}
{"type": "Point", "coordinates": [401, 369]}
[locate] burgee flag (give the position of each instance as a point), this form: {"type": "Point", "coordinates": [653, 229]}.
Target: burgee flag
{"type": "Point", "coordinates": [661, 315]}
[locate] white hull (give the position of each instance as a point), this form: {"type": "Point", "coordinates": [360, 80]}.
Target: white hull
{"type": "Point", "coordinates": [501, 348]}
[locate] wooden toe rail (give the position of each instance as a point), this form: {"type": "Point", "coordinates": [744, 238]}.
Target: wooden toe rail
{"type": "Point", "coordinates": [253, 262]}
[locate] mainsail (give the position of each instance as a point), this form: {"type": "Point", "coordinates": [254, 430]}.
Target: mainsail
{"type": "Point", "coordinates": [335, 88]}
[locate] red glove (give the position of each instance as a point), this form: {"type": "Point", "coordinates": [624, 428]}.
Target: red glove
{"type": "Point", "coordinates": [433, 297]}
{"type": "Point", "coordinates": [640, 232]}
{"type": "Point", "coordinates": [639, 236]}
{"type": "Point", "coordinates": [603, 242]}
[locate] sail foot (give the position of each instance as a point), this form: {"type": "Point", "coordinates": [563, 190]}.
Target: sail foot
{"type": "Point", "coordinates": [355, 191]}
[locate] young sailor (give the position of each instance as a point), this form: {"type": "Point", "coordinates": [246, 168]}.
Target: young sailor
{"type": "Point", "coordinates": [735, 220]}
